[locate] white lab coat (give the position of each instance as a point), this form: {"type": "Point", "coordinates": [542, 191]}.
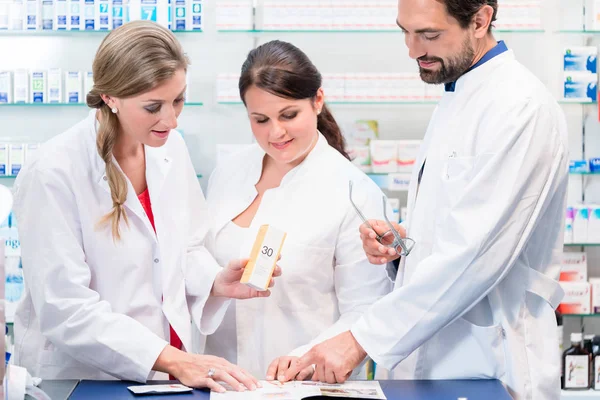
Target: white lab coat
{"type": "Point", "coordinates": [92, 308]}
{"type": "Point", "coordinates": [327, 281]}
{"type": "Point", "coordinates": [476, 297]}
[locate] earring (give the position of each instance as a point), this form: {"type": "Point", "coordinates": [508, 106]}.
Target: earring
{"type": "Point", "coordinates": [319, 112]}
{"type": "Point", "coordinates": [114, 110]}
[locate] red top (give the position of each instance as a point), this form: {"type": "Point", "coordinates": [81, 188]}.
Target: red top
{"type": "Point", "coordinates": [145, 200]}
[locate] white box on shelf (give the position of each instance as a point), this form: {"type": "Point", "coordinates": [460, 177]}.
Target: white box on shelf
{"type": "Point", "coordinates": [75, 20]}
{"type": "Point", "coordinates": [55, 85]}
{"type": "Point", "coordinates": [16, 158]}
{"type": "Point", "coordinates": [580, 86]}
{"type": "Point", "coordinates": [3, 159]}
{"type": "Point", "coordinates": [120, 13]}
{"type": "Point", "coordinates": [61, 15]}
{"type": "Point", "coordinates": [6, 87]}
{"type": "Point", "coordinates": [73, 87]}
{"type": "Point", "coordinates": [594, 224]}
{"type": "Point", "coordinates": [235, 15]}
{"type": "Point", "coordinates": [399, 181]}
{"type": "Point", "coordinates": [17, 11]}
{"type": "Point", "coordinates": [592, 15]}
{"type": "Point", "coordinates": [150, 10]}
{"type": "Point", "coordinates": [573, 267]}
{"type": "Point", "coordinates": [103, 15]}
{"type": "Point", "coordinates": [578, 298]}
{"type": "Point", "coordinates": [333, 86]}
{"type": "Point", "coordinates": [384, 155]}
{"type": "Point", "coordinates": [4, 14]}
{"type": "Point", "coordinates": [31, 150]}
{"type": "Point", "coordinates": [89, 15]}
{"type": "Point", "coordinates": [88, 83]}
{"type": "Point", "coordinates": [581, 59]}
{"type": "Point", "coordinates": [21, 86]}
{"type": "Point", "coordinates": [394, 204]}
{"type": "Point", "coordinates": [39, 86]}
{"type": "Point", "coordinates": [227, 88]}
{"type": "Point", "coordinates": [33, 14]}
{"type": "Point", "coordinates": [47, 15]}
{"type": "Point", "coordinates": [580, 224]}
{"type": "Point", "coordinates": [569, 220]}
{"type": "Point", "coordinates": [197, 16]}
{"type": "Point", "coordinates": [595, 283]}
{"type": "Point", "coordinates": [360, 156]}
{"type": "Point", "coordinates": [408, 151]}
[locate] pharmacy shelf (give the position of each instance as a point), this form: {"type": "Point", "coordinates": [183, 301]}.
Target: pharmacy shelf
{"type": "Point", "coordinates": [68, 33]}
{"type": "Point", "coordinates": [9, 177]}
{"type": "Point", "coordinates": [583, 394]}
{"type": "Point", "coordinates": [567, 101]}
{"type": "Point", "coordinates": [363, 103]}
{"type": "Point", "coordinates": [584, 173]}
{"type": "Point", "coordinates": [582, 244]}
{"type": "Point", "coordinates": [581, 316]}
{"type": "Point", "coordinates": [394, 31]}
{"type": "Point", "coordinates": [192, 104]}
{"type": "Point", "coordinates": [580, 31]}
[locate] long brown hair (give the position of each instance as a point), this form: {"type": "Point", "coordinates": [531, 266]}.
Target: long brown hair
{"type": "Point", "coordinates": [283, 70]}
{"type": "Point", "coordinates": [131, 60]}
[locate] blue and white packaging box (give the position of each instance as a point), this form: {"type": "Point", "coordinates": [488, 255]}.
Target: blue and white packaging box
{"type": "Point", "coordinates": [39, 86]}
{"type": "Point", "coordinates": [582, 59]}
{"type": "Point", "coordinates": [6, 88]}
{"type": "Point", "coordinates": [21, 86]}
{"type": "Point", "coordinates": [33, 14]}
{"type": "Point", "coordinates": [4, 15]}
{"type": "Point", "coordinates": [120, 13]}
{"type": "Point", "coordinates": [75, 15]}
{"type": "Point", "coordinates": [61, 15]}
{"type": "Point", "coordinates": [580, 86]}
{"type": "Point", "coordinates": [47, 15]}
{"type": "Point", "coordinates": [16, 158]}
{"type": "Point", "coordinates": [103, 15]}
{"type": "Point", "coordinates": [74, 87]}
{"type": "Point", "coordinates": [17, 11]}
{"type": "Point", "coordinates": [89, 15]}
{"type": "Point", "coordinates": [578, 166]}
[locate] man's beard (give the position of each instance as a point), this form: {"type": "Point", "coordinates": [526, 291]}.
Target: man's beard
{"type": "Point", "coordinates": [451, 70]}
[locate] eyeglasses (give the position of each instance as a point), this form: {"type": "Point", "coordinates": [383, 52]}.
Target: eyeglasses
{"type": "Point", "coordinates": [390, 238]}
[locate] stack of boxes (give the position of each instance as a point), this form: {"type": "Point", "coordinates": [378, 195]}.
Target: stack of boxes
{"type": "Point", "coordinates": [44, 86]}
{"type": "Point", "coordinates": [580, 74]}
{"type": "Point", "coordinates": [99, 15]}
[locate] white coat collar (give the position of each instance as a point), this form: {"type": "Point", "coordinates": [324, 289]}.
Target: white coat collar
{"type": "Point", "coordinates": [158, 164]}
{"type": "Point", "coordinates": [481, 73]}
{"type": "Point", "coordinates": [257, 158]}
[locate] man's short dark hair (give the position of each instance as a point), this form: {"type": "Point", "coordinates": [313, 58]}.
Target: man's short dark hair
{"type": "Point", "coordinates": [464, 10]}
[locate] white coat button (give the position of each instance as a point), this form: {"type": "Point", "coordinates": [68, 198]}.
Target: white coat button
{"type": "Point", "coordinates": [105, 178]}
{"type": "Point", "coordinates": [156, 260]}
{"type": "Point", "coordinates": [166, 160]}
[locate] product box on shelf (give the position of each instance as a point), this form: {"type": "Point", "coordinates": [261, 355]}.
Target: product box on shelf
{"type": "Point", "coordinates": [6, 87]}
{"type": "Point", "coordinates": [578, 298]}
{"type": "Point", "coordinates": [573, 267]}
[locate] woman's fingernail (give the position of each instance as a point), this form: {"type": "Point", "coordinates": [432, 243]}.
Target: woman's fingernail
{"type": "Point", "coordinates": [253, 387]}
{"type": "Point", "coordinates": [221, 390]}
{"type": "Point", "coordinates": [259, 384]}
{"type": "Point", "coordinates": [280, 377]}
{"type": "Point", "coordinates": [269, 377]}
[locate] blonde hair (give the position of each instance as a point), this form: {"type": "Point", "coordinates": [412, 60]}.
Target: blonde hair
{"type": "Point", "coordinates": [131, 60]}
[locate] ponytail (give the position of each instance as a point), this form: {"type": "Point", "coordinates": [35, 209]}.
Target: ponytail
{"type": "Point", "coordinates": [105, 142]}
{"type": "Point", "coordinates": [327, 125]}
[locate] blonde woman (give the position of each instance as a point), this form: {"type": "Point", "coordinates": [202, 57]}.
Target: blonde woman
{"type": "Point", "coordinates": [112, 222]}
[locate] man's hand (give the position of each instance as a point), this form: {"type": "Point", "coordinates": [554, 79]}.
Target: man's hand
{"type": "Point", "coordinates": [227, 282]}
{"type": "Point", "coordinates": [281, 365]}
{"type": "Point", "coordinates": [334, 359]}
{"type": "Point", "coordinates": [375, 251]}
